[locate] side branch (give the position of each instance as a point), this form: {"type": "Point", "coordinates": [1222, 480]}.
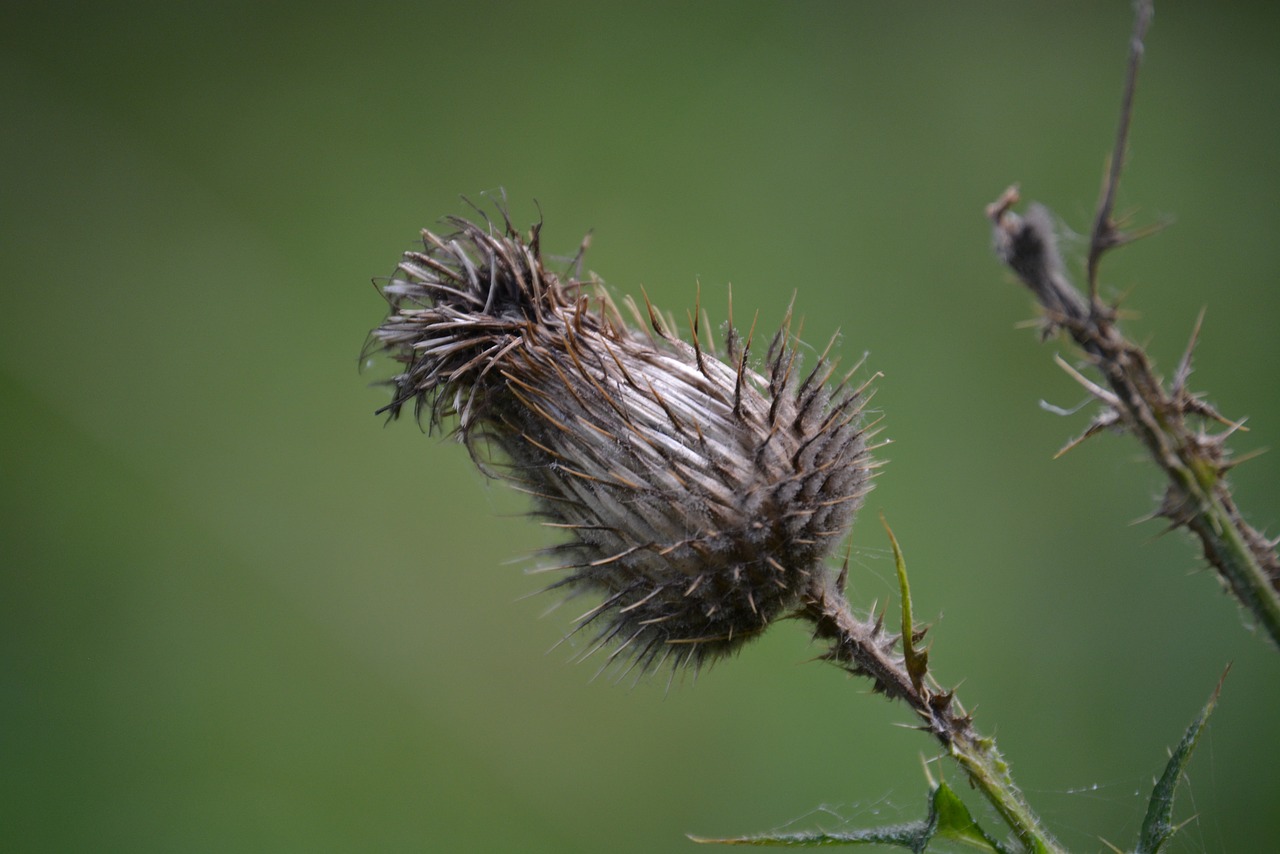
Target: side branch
{"type": "Point", "coordinates": [1105, 233]}
{"type": "Point", "coordinates": [1195, 461]}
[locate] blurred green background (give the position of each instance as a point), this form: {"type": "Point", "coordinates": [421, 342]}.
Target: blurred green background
{"type": "Point", "coordinates": [241, 614]}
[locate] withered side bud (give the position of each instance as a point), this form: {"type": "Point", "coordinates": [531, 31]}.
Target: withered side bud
{"type": "Point", "coordinates": [700, 497]}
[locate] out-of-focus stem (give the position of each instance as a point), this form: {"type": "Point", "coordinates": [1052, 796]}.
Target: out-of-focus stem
{"type": "Point", "coordinates": [1198, 496]}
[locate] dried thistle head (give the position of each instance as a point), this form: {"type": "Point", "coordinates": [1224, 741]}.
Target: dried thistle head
{"type": "Point", "coordinates": [698, 496]}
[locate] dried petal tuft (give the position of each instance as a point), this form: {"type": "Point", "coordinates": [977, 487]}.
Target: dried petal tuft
{"type": "Point", "coordinates": [700, 497]}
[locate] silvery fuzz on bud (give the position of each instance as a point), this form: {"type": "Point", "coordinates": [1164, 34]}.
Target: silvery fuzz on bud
{"type": "Point", "coordinates": [699, 496]}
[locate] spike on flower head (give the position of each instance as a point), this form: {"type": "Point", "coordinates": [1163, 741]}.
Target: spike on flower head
{"type": "Point", "coordinates": [699, 497]}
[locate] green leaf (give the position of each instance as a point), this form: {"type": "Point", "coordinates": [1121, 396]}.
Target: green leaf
{"type": "Point", "coordinates": [953, 821]}
{"type": "Point", "coordinates": [1158, 826]}
{"type": "Point", "coordinates": [915, 659]}
{"type": "Point", "coordinates": [948, 819]}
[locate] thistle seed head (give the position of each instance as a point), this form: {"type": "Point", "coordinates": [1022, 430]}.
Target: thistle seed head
{"type": "Point", "coordinates": [698, 496]}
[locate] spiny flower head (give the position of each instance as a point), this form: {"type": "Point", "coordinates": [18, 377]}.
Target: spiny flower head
{"type": "Point", "coordinates": [699, 497]}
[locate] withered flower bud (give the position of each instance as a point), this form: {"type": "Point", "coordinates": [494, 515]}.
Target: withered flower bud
{"type": "Point", "coordinates": [699, 496]}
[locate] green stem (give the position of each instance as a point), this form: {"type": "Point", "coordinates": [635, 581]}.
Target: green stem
{"type": "Point", "coordinates": [988, 771]}
{"type": "Point", "coordinates": [862, 647]}
{"type": "Point", "coordinates": [1225, 547]}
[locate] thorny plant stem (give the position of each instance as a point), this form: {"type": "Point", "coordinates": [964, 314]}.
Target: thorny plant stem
{"type": "Point", "coordinates": [1198, 496]}
{"type": "Point", "coordinates": [1226, 548]}
{"type": "Point", "coordinates": [1105, 235]}
{"type": "Point", "coordinates": [864, 648]}
{"type": "Point", "coordinates": [988, 771]}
